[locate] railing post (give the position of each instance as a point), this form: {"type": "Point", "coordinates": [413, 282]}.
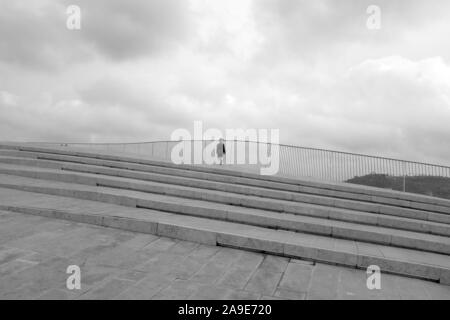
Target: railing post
{"type": "Point", "coordinates": [404, 176]}
{"type": "Point", "coordinates": [167, 151]}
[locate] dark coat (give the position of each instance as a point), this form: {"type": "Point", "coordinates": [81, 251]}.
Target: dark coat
{"type": "Point", "coordinates": [220, 149]}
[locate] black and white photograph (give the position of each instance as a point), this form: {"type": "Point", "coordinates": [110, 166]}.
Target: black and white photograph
{"type": "Point", "coordinates": [256, 152]}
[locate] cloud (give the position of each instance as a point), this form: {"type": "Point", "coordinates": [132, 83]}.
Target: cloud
{"type": "Point", "coordinates": [125, 30]}
{"type": "Point", "coordinates": [318, 30]}
{"type": "Point", "coordinates": [137, 70]}
{"type": "Point", "coordinates": [391, 105]}
{"type": "Point", "coordinates": [34, 34]}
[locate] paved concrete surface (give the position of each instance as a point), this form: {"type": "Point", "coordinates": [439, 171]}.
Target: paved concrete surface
{"type": "Point", "coordinates": [36, 251]}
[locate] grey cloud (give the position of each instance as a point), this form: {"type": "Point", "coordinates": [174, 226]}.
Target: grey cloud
{"type": "Point", "coordinates": [391, 106]}
{"type": "Point", "coordinates": [128, 29]}
{"type": "Point", "coordinates": [33, 36]}
{"type": "Point", "coordinates": [312, 30]}
{"type": "Point", "coordinates": [114, 95]}
{"type": "Point", "coordinates": [74, 121]}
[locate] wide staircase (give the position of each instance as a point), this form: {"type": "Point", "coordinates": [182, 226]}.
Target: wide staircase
{"type": "Point", "coordinates": [343, 224]}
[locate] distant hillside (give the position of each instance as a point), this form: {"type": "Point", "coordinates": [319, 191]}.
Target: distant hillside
{"type": "Point", "coordinates": [432, 186]}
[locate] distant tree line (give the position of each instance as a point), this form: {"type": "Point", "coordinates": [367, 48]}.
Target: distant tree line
{"type": "Point", "coordinates": [432, 186]}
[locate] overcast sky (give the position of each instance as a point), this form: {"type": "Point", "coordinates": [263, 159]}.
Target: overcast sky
{"type": "Point", "coordinates": [137, 70]}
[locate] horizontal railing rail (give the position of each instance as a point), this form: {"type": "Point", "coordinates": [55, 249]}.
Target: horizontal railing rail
{"type": "Point", "coordinates": [293, 160]}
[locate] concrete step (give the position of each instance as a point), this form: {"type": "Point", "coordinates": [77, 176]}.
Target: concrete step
{"type": "Point", "coordinates": [222, 186]}
{"type": "Point", "coordinates": [358, 192]}
{"type": "Point", "coordinates": [309, 210]}
{"type": "Point", "coordinates": [268, 219]}
{"type": "Point", "coordinates": [425, 265]}
{"type": "Point", "coordinates": [214, 196]}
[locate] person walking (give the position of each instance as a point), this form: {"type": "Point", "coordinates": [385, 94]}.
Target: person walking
{"type": "Point", "coordinates": [220, 151]}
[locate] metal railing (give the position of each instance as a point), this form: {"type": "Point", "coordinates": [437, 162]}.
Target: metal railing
{"type": "Point", "coordinates": [293, 160]}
